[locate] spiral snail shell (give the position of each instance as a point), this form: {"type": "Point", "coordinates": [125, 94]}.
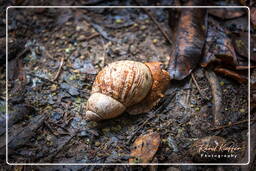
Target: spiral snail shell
{"type": "Point", "coordinates": [129, 86]}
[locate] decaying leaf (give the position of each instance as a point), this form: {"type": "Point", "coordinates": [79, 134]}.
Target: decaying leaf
{"type": "Point", "coordinates": [253, 16]}
{"type": "Point", "coordinates": [240, 42]}
{"type": "Point", "coordinates": [218, 46]}
{"type": "Point", "coordinates": [253, 48]}
{"type": "Point", "coordinates": [189, 37]}
{"type": "Point", "coordinates": [144, 148]}
{"type": "Point", "coordinates": [226, 13]}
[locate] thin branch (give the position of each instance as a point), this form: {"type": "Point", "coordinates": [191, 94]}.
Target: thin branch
{"type": "Point", "coordinates": [44, 79]}
{"type": "Point", "coordinates": [156, 22]}
{"type": "Point", "coordinates": [198, 87]}
{"type": "Point", "coordinates": [232, 124]}
{"type": "Point", "coordinates": [59, 69]}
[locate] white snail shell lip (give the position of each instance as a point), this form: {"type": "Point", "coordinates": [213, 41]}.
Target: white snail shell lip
{"type": "Point", "coordinates": [100, 106]}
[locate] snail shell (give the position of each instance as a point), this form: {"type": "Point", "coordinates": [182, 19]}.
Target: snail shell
{"type": "Point", "coordinates": [126, 85]}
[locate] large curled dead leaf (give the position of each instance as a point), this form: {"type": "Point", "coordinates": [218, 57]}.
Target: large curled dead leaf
{"type": "Point", "coordinates": [189, 38]}
{"type": "Point", "coordinates": [144, 148]}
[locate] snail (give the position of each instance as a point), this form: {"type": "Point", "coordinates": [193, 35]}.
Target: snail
{"type": "Point", "coordinates": [126, 85]}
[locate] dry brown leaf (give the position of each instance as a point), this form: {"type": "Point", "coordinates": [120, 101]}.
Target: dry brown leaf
{"type": "Point", "coordinates": [188, 37]}
{"type": "Point", "coordinates": [225, 13]}
{"type": "Point", "coordinates": [144, 148]}
{"type": "Point", "coordinates": [253, 16]}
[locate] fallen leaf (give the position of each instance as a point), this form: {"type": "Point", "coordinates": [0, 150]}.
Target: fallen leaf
{"type": "Point", "coordinates": [218, 47]}
{"type": "Point", "coordinates": [226, 13]}
{"type": "Point", "coordinates": [241, 44]}
{"type": "Point", "coordinates": [253, 16]}
{"type": "Point", "coordinates": [144, 148]}
{"type": "Point", "coordinates": [189, 37]}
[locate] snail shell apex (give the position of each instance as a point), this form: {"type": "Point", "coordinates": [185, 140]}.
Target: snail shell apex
{"type": "Point", "coordinates": [126, 85]}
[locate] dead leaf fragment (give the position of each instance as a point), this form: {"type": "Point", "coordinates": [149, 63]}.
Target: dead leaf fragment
{"type": "Point", "coordinates": [253, 16]}
{"type": "Point", "coordinates": [218, 47]}
{"type": "Point", "coordinates": [226, 13]}
{"type": "Point", "coordinates": [144, 148]}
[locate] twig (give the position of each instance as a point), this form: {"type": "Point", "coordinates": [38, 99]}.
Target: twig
{"type": "Point", "coordinates": [189, 92]}
{"type": "Point", "coordinates": [140, 127]}
{"type": "Point", "coordinates": [49, 55]}
{"type": "Point", "coordinates": [59, 69]}
{"type": "Point", "coordinates": [160, 109]}
{"type": "Point", "coordinates": [100, 30]}
{"type": "Point", "coordinates": [232, 124]}
{"type": "Point", "coordinates": [236, 76]}
{"type": "Point", "coordinates": [23, 52]}
{"type": "Point", "coordinates": [92, 36]}
{"type": "Point", "coordinates": [217, 97]}
{"type": "Point", "coordinates": [198, 87]}
{"type": "Point", "coordinates": [50, 128]}
{"type": "Point", "coordinates": [156, 22]}
{"type": "Point", "coordinates": [241, 67]}
{"type": "Point", "coordinates": [65, 129]}
{"type": "Point", "coordinates": [44, 79]}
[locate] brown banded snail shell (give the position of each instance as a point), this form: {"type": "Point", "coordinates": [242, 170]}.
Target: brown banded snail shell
{"type": "Point", "coordinates": [129, 86]}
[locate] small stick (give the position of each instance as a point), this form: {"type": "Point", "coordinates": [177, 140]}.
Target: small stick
{"type": "Point", "coordinates": [232, 124]}
{"type": "Point", "coordinates": [44, 79]}
{"type": "Point", "coordinates": [49, 55]}
{"type": "Point", "coordinates": [240, 78]}
{"type": "Point", "coordinates": [59, 69]}
{"type": "Point", "coordinates": [137, 130]}
{"type": "Point", "coordinates": [241, 67]}
{"type": "Point", "coordinates": [198, 87]}
{"type": "Point", "coordinates": [217, 97]}
{"type": "Point", "coordinates": [158, 110]}
{"type": "Point", "coordinates": [189, 92]}
{"type": "Point", "coordinates": [156, 22]}
{"type": "Point", "coordinates": [23, 52]}
{"type": "Point", "coordinates": [50, 128]}
{"type": "Point", "coordinates": [92, 36]}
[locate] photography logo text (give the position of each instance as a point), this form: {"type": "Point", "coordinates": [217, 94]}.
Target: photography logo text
{"type": "Point", "coordinates": [218, 151]}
